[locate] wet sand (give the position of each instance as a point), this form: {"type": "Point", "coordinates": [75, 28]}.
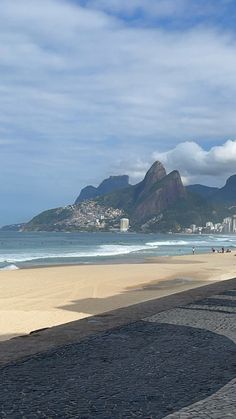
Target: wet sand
{"type": "Point", "coordinates": [32, 299]}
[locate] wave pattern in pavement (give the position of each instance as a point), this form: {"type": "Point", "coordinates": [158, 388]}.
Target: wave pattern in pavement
{"type": "Point", "coordinates": [177, 364]}
{"type": "Point", "coordinates": [216, 314]}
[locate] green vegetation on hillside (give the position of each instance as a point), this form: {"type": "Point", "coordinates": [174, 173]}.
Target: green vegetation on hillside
{"type": "Point", "coordinates": [191, 210]}
{"type": "Point", "coordinates": [50, 216]}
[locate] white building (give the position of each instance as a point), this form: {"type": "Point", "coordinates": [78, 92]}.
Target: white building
{"type": "Point", "coordinates": [218, 228]}
{"type": "Point", "coordinates": [124, 224]}
{"type": "Point", "coordinates": [210, 225]}
{"type": "Point", "coordinates": [234, 224]}
{"type": "Point", "coordinates": [227, 225]}
{"type": "Point", "coordinates": [193, 228]}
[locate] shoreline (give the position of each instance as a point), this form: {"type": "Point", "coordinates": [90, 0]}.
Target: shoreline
{"type": "Point", "coordinates": [35, 298]}
{"type": "Point", "coordinates": [112, 261]}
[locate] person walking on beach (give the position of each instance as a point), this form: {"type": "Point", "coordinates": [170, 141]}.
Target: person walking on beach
{"type": "Point", "coordinates": [193, 250]}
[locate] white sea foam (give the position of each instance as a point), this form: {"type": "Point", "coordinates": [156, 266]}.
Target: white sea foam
{"type": "Point", "coordinates": [112, 250]}
{"type": "Point", "coordinates": [177, 243]}
{"type": "Point", "coordinates": [99, 251]}
{"type": "Point", "coordinates": [11, 267]}
{"type": "Point", "coordinates": [167, 243]}
{"type": "Point", "coordinates": [226, 239]}
{"type": "Point", "coordinates": [194, 242]}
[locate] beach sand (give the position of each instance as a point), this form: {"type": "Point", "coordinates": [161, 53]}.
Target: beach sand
{"type": "Point", "coordinates": [32, 299]}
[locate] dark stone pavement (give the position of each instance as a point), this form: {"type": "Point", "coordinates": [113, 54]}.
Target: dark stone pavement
{"type": "Point", "coordinates": [178, 363]}
{"type": "Point", "coordinates": [142, 370]}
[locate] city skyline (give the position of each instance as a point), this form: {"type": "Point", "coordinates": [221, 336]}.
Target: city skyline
{"type": "Point", "coordinates": [227, 226]}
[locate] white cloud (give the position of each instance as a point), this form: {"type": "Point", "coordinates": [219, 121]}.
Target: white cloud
{"type": "Point", "coordinates": [197, 164]}
{"type": "Point", "coordinates": [135, 169]}
{"type": "Point", "coordinates": [63, 63]}
{"type": "Point", "coordinates": [79, 89]}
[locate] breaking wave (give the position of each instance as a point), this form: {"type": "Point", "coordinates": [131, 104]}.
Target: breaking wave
{"type": "Point", "coordinates": [10, 267]}
{"type": "Point", "coordinates": [100, 251]}
{"type": "Point", "coordinates": [177, 243]}
{"type": "Point", "coordinates": [167, 243]}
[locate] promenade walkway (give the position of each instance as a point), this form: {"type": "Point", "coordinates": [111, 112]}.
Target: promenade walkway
{"type": "Point", "coordinates": [169, 358]}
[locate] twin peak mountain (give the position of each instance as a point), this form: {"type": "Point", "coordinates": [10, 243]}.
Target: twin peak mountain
{"type": "Point", "coordinates": [156, 192]}
{"type": "Point", "coordinates": [160, 202]}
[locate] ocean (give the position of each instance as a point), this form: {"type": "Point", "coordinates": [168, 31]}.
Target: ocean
{"type": "Point", "coordinates": [25, 250]}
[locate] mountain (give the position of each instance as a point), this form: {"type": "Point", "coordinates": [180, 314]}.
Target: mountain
{"type": "Point", "coordinates": [203, 191]}
{"type": "Point", "coordinates": [227, 194]}
{"type": "Point", "coordinates": [192, 209]}
{"type": "Point", "coordinates": [156, 192]}
{"type": "Point", "coordinates": [87, 216]}
{"type": "Point", "coordinates": [221, 196]}
{"type": "Point", "coordinates": [113, 183]}
{"type": "Point", "coordinates": [159, 202]}
{"type": "Point", "coordinates": [13, 227]}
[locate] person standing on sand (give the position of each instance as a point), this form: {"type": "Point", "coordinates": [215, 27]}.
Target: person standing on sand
{"type": "Point", "coordinates": [193, 250]}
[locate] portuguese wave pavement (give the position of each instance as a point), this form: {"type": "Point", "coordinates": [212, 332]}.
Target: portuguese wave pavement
{"type": "Point", "coordinates": [169, 358]}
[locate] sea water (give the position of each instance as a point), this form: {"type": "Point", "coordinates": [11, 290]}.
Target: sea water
{"type": "Point", "coordinates": [23, 250]}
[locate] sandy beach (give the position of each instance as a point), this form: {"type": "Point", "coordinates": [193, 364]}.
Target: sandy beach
{"type": "Point", "coordinates": [32, 299]}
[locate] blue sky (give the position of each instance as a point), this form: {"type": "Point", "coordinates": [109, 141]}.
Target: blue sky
{"type": "Point", "coordinates": [90, 88]}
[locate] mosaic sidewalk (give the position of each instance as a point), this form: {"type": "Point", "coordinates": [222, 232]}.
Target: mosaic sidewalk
{"type": "Point", "coordinates": [180, 363]}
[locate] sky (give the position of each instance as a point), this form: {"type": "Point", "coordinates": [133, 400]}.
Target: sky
{"type": "Point", "coordinates": [92, 88]}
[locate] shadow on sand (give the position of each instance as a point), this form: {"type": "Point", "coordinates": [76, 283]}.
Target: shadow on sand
{"type": "Point", "coordinates": [132, 295]}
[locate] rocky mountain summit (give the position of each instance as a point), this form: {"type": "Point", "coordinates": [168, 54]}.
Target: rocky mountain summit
{"type": "Point", "coordinates": [158, 195]}
{"type": "Point", "coordinates": [113, 183]}
{"type": "Point", "coordinates": [155, 193]}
